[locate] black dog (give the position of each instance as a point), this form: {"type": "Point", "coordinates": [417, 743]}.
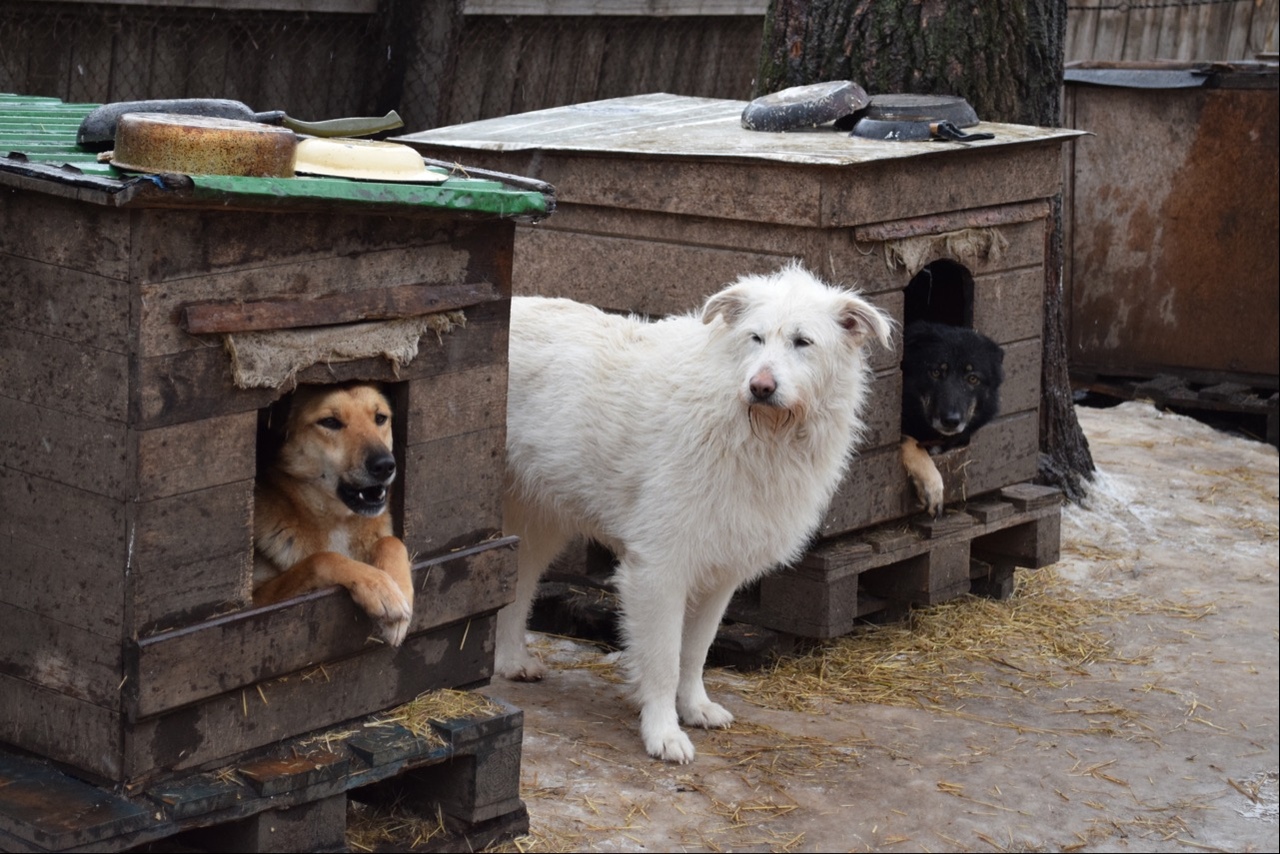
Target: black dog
{"type": "Point", "coordinates": [950, 387]}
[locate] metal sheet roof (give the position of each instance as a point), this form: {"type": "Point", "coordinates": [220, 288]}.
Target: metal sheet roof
{"type": "Point", "coordinates": [38, 151]}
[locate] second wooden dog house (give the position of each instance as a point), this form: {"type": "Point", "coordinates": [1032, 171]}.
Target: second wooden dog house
{"type": "Point", "coordinates": [663, 199]}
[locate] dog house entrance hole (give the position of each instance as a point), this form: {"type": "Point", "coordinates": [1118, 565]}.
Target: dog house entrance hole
{"type": "Point", "coordinates": [942, 293]}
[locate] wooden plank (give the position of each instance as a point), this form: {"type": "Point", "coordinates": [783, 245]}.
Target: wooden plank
{"type": "Point", "coordinates": [938, 575]}
{"type": "Point", "coordinates": [352, 7]}
{"type": "Point", "coordinates": [60, 727]}
{"type": "Point", "coordinates": [453, 491]}
{"type": "Point", "coordinates": [1021, 388]}
{"type": "Point", "coordinates": [456, 655]}
{"type": "Point", "coordinates": [654, 279]}
{"type": "Point", "coordinates": [807, 607]}
{"type": "Point", "coordinates": [316, 825]}
{"type": "Point", "coordinates": [876, 488]}
{"type": "Point", "coordinates": [75, 450]}
{"type": "Point", "coordinates": [991, 217]}
{"type": "Point", "coordinates": [45, 807]}
{"type": "Point", "coordinates": [65, 551]}
{"type": "Point", "coordinates": [883, 414]}
{"type": "Point", "coordinates": [36, 226]}
{"type": "Point", "coordinates": [1009, 306]}
{"type": "Point", "coordinates": [203, 660]}
{"type": "Point", "coordinates": [64, 658]}
{"type": "Point", "coordinates": [181, 243]}
{"type": "Point", "coordinates": [1032, 544]}
{"type": "Point", "coordinates": [638, 8]}
{"type": "Point", "coordinates": [388, 303]}
{"type": "Point", "coordinates": [84, 381]}
{"type": "Point", "coordinates": [951, 180]}
{"type": "Point", "coordinates": [66, 304]}
{"type": "Point", "coordinates": [189, 457]}
{"type": "Point", "coordinates": [871, 492]}
{"type": "Point", "coordinates": [836, 254]}
{"type": "Point", "coordinates": [1108, 44]}
{"type": "Point", "coordinates": [311, 292]}
{"type": "Point", "coordinates": [82, 587]}
{"type": "Point", "coordinates": [191, 555]}
{"type": "Point", "coordinates": [196, 384]}
{"type": "Point", "coordinates": [456, 403]}
{"type": "Point", "coordinates": [702, 133]}
{"type": "Point", "coordinates": [1081, 27]}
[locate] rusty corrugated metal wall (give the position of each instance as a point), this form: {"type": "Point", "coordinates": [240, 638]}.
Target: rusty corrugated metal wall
{"type": "Point", "coordinates": [1173, 224]}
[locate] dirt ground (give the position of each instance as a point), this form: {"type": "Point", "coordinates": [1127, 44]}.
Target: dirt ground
{"type": "Point", "coordinates": [1124, 700]}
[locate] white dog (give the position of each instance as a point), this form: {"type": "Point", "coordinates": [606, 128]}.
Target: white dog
{"type": "Point", "coordinates": [702, 449]}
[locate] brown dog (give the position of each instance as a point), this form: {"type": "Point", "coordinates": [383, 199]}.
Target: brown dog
{"type": "Point", "coordinates": [320, 509]}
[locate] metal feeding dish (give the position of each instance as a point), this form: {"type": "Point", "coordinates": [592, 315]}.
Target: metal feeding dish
{"type": "Point", "coordinates": [910, 118]}
{"type": "Point", "coordinates": [805, 106]}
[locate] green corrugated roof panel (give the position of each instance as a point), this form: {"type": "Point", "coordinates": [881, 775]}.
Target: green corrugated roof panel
{"type": "Point", "coordinates": [38, 142]}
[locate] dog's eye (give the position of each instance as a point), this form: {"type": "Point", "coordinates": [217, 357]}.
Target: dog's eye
{"type": "Point", "coordinates": [330, 423]}
{"type": "Point", "coordinates": [756, 339]}
{"type": "Point", "coordinates": [381, 418]}
{"type": "Point", "coordinates": [973, 379]}
{"type": "Point", "coordinates": [935, 373]}
{"type": "Point", "coordinates": [801, 342]}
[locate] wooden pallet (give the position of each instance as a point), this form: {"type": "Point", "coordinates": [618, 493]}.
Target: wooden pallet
{"type": "Point", "coordinates": [1246, 408]}
{"type": "Point", "coordinates": [923, 561]}
{"type": "Point", "coordinates": [293, 798]}
{"type": "Point", "coordinates": [878, 572]}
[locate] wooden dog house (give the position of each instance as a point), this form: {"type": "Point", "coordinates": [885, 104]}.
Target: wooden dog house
{"type": "Point", "coordinates": [127, 448]}
{"type": "Point", "coordinates": [663, 199]}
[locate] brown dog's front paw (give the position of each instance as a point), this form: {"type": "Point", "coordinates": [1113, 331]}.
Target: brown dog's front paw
{"type": "Point", "coordinates": [924, 475]}
{"type": "Point", "coordinates": [384, 602]}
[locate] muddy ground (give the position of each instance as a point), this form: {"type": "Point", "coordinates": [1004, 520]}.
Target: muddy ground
{"type": "Point", "coordinates": [1124, 700]}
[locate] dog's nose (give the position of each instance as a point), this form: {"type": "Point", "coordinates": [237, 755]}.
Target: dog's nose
{"type": "Point", "coordinates": [381, 465]}
{"type": "Point", "coordinates": [951, 420]}
{"type": "Point", "coordinates": [763, 386]}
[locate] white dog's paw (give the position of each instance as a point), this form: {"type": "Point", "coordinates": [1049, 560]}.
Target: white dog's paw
{"type": "Point", "coordinates": [670, 745]}
{"type": "Point", "coordinates": [520, 668]}
{"type": "Point", "coordinates": [707, 715]}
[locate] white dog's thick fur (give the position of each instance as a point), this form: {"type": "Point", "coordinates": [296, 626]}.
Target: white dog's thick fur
{"type": "Point", "coordinates": [702, 449]}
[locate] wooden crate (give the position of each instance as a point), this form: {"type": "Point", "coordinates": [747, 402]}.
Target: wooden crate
{"type": "Point", "coordinates": [128, 454]}
{"type": "Point", "coordinates": [463, 778]}
{"type": "Point", "coordinates": [661, 200]}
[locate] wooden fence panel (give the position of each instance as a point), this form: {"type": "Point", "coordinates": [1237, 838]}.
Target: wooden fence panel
{"type": "Point", "coordinates": [1189, 30]}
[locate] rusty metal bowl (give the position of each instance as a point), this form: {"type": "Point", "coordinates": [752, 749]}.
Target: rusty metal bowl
{"type": "Point", "coordinates": [202, 145]}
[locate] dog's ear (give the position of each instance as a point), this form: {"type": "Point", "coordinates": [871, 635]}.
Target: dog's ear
{"type": "Point", "coordinates": [731, 303]}
{"type": "Point", "coordinates": [863, 320]}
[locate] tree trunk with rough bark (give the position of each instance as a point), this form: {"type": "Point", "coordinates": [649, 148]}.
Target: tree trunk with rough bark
{"type": "Point", "coordinates": [1005, 58]}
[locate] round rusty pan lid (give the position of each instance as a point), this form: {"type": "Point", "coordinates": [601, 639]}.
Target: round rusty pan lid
{"type": "Point", "coordinates": [202, 145]}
